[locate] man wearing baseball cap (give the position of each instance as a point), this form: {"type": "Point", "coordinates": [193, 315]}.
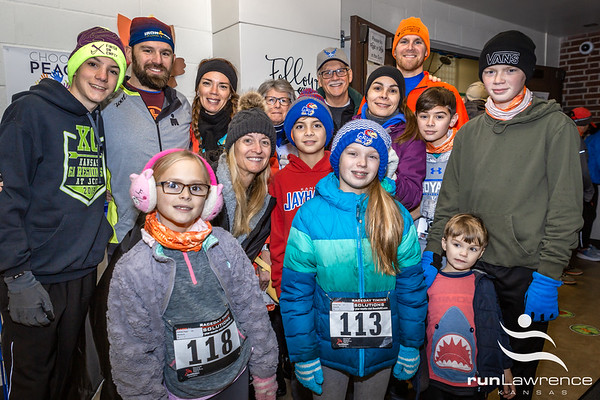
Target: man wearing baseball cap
{"type": "Point", "coordinates": [517, 167]}
{"type": "Point", "coordinates": [411, 48]}
{"type": "Point", "coordinates": [53, 232]}
{"type": "Point", "coordinates": [334, 77]}
{"type": "Point", "coordinates": [145, 117]}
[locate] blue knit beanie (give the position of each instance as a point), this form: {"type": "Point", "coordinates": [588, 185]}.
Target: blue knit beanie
{"type": "Point", "coordinates": [309, 104]}
{"type": "Point", "coordinates": [365, 132]}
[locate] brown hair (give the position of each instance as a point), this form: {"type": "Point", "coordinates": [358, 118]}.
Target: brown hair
{"type": "Point", "coordinates": [197, 106]}
{"type": "Point", "coordinates": [436, 96]}
{"type": "Point", "coordinates": [249, 200]}
{"type": "Point", "coordinates": [383, 224]}
{"type": "Point", "coordinates": [469, 226]}
{"type": "Point", "coordinates": [411, 131]}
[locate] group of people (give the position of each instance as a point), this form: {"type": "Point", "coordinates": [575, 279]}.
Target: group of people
{"type": "Point", "coordinates": [355, 237]}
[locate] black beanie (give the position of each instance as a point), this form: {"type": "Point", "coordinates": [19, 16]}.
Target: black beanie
{"type": "Point", "coordinates": [218, 65]}
{"type": "Point", "coordinates": [393, 73]}
{"type": "Point", "coordinates": [250, 119]}
{"type": "Point", "coordinates": [509, 48]}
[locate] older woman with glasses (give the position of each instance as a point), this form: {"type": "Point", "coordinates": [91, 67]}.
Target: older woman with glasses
{"type": "Point", "coordinates": [279, 96]}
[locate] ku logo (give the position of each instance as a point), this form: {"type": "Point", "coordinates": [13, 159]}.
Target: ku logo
{"type": "Point", "coordinates": [366, 137]}
{"type": "Point", "coordinates": [330, 53]}
{"type": "Point", "coordinates": [525, 322]}
{"type": "Point", "coordinates": [436, 170]}
{"type": "Point", "coordinates": [308, 109]}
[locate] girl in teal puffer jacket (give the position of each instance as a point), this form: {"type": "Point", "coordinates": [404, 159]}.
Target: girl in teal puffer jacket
{"type": "Point", "coordinates": [353, 297]}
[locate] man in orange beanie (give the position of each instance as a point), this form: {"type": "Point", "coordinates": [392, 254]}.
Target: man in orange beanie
{"type": "Point", "coordinates": [410, 49]}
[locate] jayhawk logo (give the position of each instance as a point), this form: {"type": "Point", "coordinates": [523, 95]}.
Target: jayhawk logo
{"type": "Point", "coordinates": [308, 109]}
{"type": "Point", "coordinates": [366, 137]}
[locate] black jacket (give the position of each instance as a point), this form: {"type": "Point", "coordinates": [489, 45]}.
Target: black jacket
{"type": "Point", "coordinates": [52, 162]}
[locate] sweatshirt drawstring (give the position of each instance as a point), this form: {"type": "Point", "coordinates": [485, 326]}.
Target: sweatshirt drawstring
{"type": "Point", "coordinates": [189, 265]}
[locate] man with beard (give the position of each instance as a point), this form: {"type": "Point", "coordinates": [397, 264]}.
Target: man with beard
{"type": "Point", "coordinates": [411, 49]}
{"type": "Point", "coordinates": [143, 118]}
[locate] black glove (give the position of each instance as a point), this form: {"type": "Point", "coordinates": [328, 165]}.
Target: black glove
{"type": "Point", "coordinates": [28, 301]}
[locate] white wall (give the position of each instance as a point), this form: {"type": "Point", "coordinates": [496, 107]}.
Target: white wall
{"type": "Point", "coordinates": [450, 28]}
{"type": "Point", "coordinates": [54, 25]}
{"type": "Point", "coordinates": [274, 38]}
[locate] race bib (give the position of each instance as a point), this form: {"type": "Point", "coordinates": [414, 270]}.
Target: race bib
{"type": "Point", "coordinates": [205, 347]}
{"type": "Point", "coordinates": [360, 323]}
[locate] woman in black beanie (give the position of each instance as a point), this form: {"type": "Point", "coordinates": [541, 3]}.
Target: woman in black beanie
{"type": "Point", "coordinates": [214, 105]}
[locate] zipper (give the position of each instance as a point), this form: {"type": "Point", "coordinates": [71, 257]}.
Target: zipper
{"type": "Point", "coordinates": [361, 283]}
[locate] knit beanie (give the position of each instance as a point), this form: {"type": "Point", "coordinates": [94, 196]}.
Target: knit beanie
{"type": "Point", "coordinates": [391, 72]}
{"type": "Point", "coordinates": [365, 132]}
{"type": "Point", "coordinates": [411, 26]}
{"type": "Point", "coordinates": [97, 42]}
{"type": "Point", "coordinates": [509, 48]}
{"type": "Point", "coordinates": [309, 104]}
{"type": "Point", "coordinates": [218, 65]}
{"type": "Point", "coordinates": [251, 118]}
{"type": "Point", "coordinates": [144, 29]}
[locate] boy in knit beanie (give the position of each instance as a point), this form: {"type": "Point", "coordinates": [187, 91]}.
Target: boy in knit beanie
{"type": "Point", "coordinates": [54, 232]}
{"type": "Point", "coordinates": [517, 167]}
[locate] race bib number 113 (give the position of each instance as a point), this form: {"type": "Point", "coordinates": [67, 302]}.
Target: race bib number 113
{"type": "Point", "coordinates": [360, 323]}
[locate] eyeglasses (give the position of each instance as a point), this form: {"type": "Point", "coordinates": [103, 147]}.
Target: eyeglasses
{"type": "Point", "coordinates": [284, 101]}
{"type": "Point", "coordinates": [172, 187]}
{"type": "Point", "coordinates": [328, 73]}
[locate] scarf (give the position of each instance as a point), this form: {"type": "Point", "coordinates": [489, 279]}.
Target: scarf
{"type": "Point", "coordinates": [518, 104]}
{"type": "Point", "coordinates": [444, 147]}
{"type": "Point", "coordinates": [386, 122]}
{"type": "Point", "coordinates": [184, 241]}
{"type": "Point", "coordinates": [213, 128]}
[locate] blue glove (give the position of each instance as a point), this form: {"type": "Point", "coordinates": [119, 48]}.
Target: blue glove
{"type": "Point", "coordinates": [428, 261]}
{"type": "Point", "coordinates": [407, 363]}
{"type": "Point", "coordinates": [541, 298]}
{"type": "Point", "coordinates": [310, 374]}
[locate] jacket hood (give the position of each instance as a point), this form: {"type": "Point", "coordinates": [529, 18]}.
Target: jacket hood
{"type": "Point", "coordinates": [329, 189]}
{"type": "Point", "coordinates": [538, 109]}
{"type": "Point", "coordinates": [297, 165]}
{"type": "Point", "coordinates": [54, 92]}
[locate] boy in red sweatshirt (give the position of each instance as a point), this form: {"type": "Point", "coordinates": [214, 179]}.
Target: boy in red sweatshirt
{"type": "Point", "coordinates": [309, 127]}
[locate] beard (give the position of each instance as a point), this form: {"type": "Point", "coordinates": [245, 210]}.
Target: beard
{"type": "Point", "coordinates": [409, 65]}
{"type": "Point", "coordinates": [156, 82]}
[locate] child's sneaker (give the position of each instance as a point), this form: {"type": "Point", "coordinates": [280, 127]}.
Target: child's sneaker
{"type": "Point", "coordinates": [590, 254]}
{"type": "Point", "coordinates": [568, 280]}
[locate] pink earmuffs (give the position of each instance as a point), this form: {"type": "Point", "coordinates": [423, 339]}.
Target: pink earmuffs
{"type": "Point", "coordinates": [143, 189]}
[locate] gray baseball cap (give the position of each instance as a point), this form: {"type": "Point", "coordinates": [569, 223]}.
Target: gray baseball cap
{"type": "Point", "coordinates": [331, 53]}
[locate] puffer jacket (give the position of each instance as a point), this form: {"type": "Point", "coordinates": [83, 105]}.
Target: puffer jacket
{"type": "Point", "coordinates": [139, 294]}
{"type": "Point", "coordinates": [329, 256]}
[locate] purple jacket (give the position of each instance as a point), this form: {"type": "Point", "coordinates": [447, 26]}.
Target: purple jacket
{"type": "Point", "coordinates": [410, 173]}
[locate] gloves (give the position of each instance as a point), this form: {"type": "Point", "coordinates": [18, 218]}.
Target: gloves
{"type": "Point", "coordinates": [28, 302]}
{"type": "Point", "coordinates": [310, 374]}
{"type": "Point", "coordinates": [541, 298]}
{"type": "Point", "coordinates": [265, 388]}
{"type": "Point", "coordinates": [407, 363]}
{"type": "Point", "coordinates": [431, 263]}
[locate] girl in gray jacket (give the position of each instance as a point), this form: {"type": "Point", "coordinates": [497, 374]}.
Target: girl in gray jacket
{"type": "Point", "coordinates": [185, 314]}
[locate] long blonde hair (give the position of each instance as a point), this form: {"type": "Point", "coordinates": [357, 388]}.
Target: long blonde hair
{"type": "Point", "coordinates": [384, 226]}
{"type": "Point", "coordinates": [249, 200]}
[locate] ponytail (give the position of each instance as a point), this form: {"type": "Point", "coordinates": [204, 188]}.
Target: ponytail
{"type": "Point", "coordinates": [384, 225]}
{"type": "Point", "coordinates": [411, 130]}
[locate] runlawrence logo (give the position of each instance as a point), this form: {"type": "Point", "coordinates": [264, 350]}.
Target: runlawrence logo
{"type": "Point", "coordinates": [524, 322]}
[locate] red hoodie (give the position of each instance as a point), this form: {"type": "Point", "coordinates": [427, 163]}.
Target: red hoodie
{"type": "Point", "coordinates": [291, 186]}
